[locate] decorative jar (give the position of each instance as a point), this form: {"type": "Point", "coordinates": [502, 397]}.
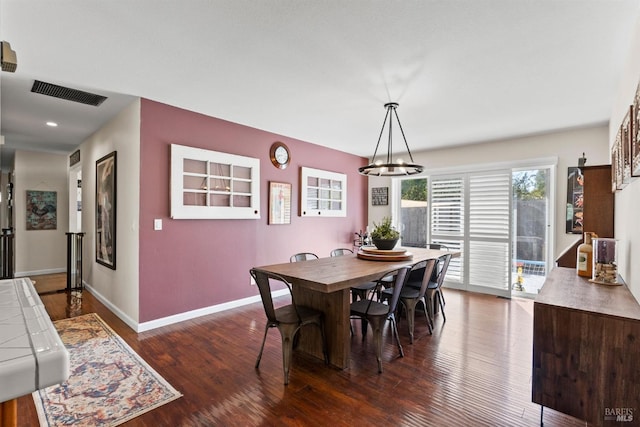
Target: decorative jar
{"type": "Point", "coordinates": [605, 261]}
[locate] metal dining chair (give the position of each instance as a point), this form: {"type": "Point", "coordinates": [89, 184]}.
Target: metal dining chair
{"type": "Point", "coordinates": [378, 314]}
{"type": "Point", "coordinates": [289, 319]}
{"type": "Point", "coordinates": [358, 291]}
{"type": "Point", "coordinates": [414, 293]}
{"type": "Point", "coordinates": [303, 256]}
{"type": "Point", "coordinates": [434, 290]}
{"type": "Point", "coordinates": [437, 246]}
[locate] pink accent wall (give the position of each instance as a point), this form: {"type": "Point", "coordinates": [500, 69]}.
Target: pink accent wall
{"type": "Point", "coordinates": [193, 264]}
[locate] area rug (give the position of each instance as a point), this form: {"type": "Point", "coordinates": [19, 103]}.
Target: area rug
{"type": "Point", "coordinates": [109, 383]}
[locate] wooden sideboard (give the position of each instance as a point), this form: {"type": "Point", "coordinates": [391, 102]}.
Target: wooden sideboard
{"type": "Point", "coordinates": [586, 349]}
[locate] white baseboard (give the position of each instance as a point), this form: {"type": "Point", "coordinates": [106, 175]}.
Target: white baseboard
{"type": "Point", "coordinates": [188, 315]}
{"type": "Point", "coordinates": [180, 317]}
{"type": "Point", "coordinates": [126, 319]}
{"type": "Point", "coordinates": [39, 272]}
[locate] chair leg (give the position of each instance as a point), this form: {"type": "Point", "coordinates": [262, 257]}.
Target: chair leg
{"type": "Point", "coordinates": [394, 332]}
{"type": "Point", "coordinates": [430, 308]}
{"type": "Point", "coordinates": [426, 314]}
{"type": "Point", "coordinates": [376, 325]}
{"type": "Point", "coordinates": [287, 332]}
{"type": "Point", "coordinates": [410, 306]}
{"type": "Point", "coordinates": [444, 318]}
{"type": "Point", "coordinates": [266, 329]}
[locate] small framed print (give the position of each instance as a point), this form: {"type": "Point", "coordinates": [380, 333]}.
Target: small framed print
{"type": "Point", "coordinates": [380, 196]}
{"type": "Point", "coordinates": [614, 167]}
{"type": "Point", "coordinates": [575, 205]}
{"type": "Point", "coordinates": [635, 134]}
{"type": "Point", "coordinates": [279, 203]}
{"type": "Point", "coordinates": [626, 131]}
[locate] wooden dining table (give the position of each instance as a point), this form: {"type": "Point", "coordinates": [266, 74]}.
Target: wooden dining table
{"type": "Point", "coordinates": [325, 284]}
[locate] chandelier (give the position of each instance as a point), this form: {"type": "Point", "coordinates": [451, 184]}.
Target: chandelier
{"type": "Point", "coordinates": [388, 167]}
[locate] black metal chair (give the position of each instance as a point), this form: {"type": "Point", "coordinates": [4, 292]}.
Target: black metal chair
{"type": "Point", "coordinates": [377, 314]}
{"type": "Point", "coordinates": [289, 319]}
{"type": "Point", "coordinates": [434, 290]}
{"type": "Point", "coordinates": [437, 246]}
{"type": "Point", "coordinates": [358, 291]}
{"type": "Point", "coordinates": [341, 251]}
{"type": "Point", "coordinates": [303, 256]}
{"type": "Point", "coordinates": [414, 293]}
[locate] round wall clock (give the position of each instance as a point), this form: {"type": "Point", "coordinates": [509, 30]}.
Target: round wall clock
{"type": "Point", "coordinates": [280, 156]}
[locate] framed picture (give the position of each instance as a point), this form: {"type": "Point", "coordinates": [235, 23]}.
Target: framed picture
{"type": "Point", "coordinates": [42, 210]}
{"type": "Point", "coordinates": [614, 167]}
{"type": "Point", "coordinates": [379, 196]}
{"type": "Point", "coordinates": [575, 199]}
{"type": "Point", "coordinates": [617, 162]}
{"type": "Point", "coordinates": [279, 203]}
{"type": "Point", "coordinates": [626, 130]}
{"type": "Point", "coordinates": [635, 134]}
{"type": "Point", "coordinates": [106, 195]}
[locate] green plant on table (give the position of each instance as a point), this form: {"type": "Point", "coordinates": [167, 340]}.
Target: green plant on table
{"type": "Point", "coordinates": [384, 230]}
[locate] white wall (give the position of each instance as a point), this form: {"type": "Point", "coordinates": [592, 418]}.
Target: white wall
{"type": "Point", "coordinates": [40, 251]}
{"type": "Point", "coordinates": [627, 201]}
{"type": "Point", "coordinates": [118, 289]}
{"type": "Point", "coordinates": [567, 146]}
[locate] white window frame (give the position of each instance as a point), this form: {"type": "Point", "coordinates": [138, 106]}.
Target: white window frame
{"type": "Point", "coordinates": [180, 153]}
{"type": "Point", "coordinates": [309, 194]}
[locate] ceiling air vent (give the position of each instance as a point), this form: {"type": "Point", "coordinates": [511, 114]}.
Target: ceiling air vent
{"type": "Point", "coordinates": [67, 93]}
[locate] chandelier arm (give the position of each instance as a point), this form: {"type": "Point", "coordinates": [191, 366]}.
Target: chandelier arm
{"type": "Point", "coordinates": [403, 137]}
{"type": "Point", "coordinates": [373, 159]}
{"type": "Point", "coordinates": [390, 107]}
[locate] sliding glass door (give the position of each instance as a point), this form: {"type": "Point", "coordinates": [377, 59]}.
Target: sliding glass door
{"type": "Point", "coordinates": [531, 230]}
{"type": "Point", "coordinates": [498, 220]}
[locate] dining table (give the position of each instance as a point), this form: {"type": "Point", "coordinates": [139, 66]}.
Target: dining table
{"type": "Point", "coordinates": [325, 284]}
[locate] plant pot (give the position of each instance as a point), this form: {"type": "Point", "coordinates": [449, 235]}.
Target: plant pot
{"type": "Point", "coordinates": [385, 244]}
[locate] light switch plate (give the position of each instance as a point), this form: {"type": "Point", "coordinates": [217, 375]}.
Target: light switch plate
{"type": "Point", "coordinates": [157, 224]}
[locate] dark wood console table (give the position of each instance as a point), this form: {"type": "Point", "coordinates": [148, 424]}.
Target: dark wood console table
{"type": "Point", "coordinates": [586, 349]}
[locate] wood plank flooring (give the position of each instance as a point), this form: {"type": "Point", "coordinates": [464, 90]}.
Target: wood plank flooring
{"type": "Point", "coordinates": [475, 370]}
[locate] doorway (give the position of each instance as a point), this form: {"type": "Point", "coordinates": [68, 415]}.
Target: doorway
{"type": "Point", "coordinates": [75, 199]}
{"type": "Point", "coordinates": [531, 230]}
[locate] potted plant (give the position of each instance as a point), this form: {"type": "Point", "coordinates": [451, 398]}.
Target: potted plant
{"type": "Point", "coordinates": [384, 236]}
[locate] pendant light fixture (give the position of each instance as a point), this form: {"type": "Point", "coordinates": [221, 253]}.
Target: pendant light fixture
{"type": "Point", "coordinates": [388, 167]}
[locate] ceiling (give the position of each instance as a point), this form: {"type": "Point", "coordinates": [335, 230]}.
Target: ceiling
{"type": "Point", "coordinates": [463, 71]}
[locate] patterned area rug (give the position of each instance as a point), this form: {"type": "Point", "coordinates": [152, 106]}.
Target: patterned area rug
{"type": "Point", "coordinates": [109, 383]}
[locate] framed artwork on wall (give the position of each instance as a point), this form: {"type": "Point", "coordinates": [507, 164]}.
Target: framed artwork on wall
{"type": "Point", "coordinates": [42, 210]}
{"type": "Point", "coordinates": [635, 134]}
{"type": "Point", "coordinates": [106, 195]}
{"type": "Point", "coordinates": [626, 130]}
{"type": "Point", "coordinates": [614, 167]}
{"type": "Point", "coordinates": [575, 190]}
{"type": "Point", "coordinates": [279, 203]}
{"type": "Point", "coordinates": [379, 196]}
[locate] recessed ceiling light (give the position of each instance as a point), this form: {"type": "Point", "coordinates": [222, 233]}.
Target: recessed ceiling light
{"type": "Point", "coordinates": [52, 124]}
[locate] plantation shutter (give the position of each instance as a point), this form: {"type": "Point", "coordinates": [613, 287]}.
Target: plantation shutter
{"type": "Point", "coordinates": [488, 234]}
{"type": "Point", "coordinates": [448, 218]}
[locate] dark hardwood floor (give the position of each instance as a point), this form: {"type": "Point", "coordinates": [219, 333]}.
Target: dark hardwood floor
{"type": "Point", "coordinates": [475, 370]}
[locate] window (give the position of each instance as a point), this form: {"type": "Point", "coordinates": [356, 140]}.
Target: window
{"type": "Point", "coordinates": [323, 193]}
{"type": "Point", "coordinates": [213, 185]}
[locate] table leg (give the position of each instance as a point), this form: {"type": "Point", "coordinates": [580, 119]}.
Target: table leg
{"type": "Point", "coordinates": [9, 413]}
{"type": "Point", "coordinates": [335, 306]}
